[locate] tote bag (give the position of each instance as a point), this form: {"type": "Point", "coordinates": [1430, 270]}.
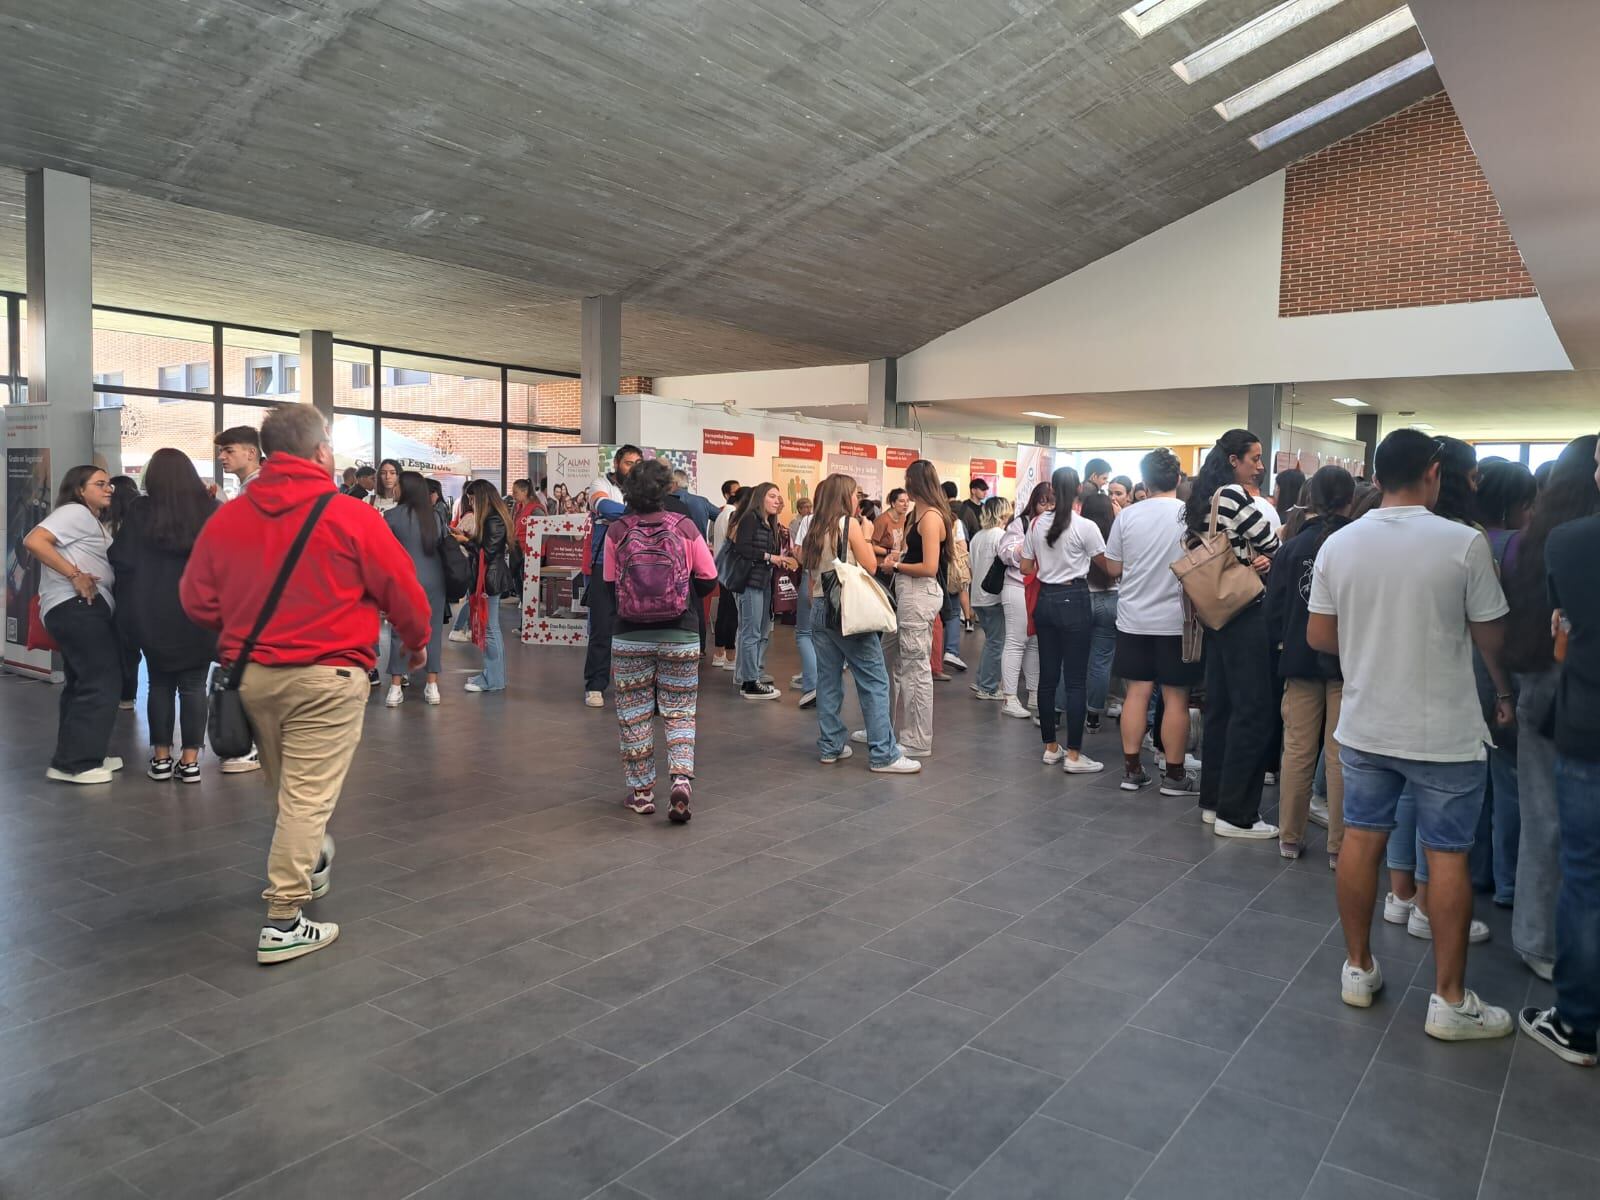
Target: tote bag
{"type": "Point", "coordinates": [863, 606]}
{"type": "Point", "coordinates": [1217, 585]}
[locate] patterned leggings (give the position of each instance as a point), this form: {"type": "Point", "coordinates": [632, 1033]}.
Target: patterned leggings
{"type": "Point", "coordinates": [645, 676]}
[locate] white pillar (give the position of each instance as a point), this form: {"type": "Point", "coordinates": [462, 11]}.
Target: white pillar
{"type": "Point", "coordinates": [61, 314]}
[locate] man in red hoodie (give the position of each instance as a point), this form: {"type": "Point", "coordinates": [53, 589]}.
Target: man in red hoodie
{"type": "Point", "coordinates": [305, 688]}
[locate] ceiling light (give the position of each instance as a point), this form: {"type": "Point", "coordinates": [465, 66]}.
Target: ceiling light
{"type": "Point", "coordinates": [1350, 402]}
{"type": "Point", "coordinates": [1321, 111]}
{"type": "Point", "coordinates": [1042, 416]}
{"type": "Point", "coordinates": [1147, 16]}
{"type": "Point", "coordinates": [1324, 60]}
{"type": "Point", "coordinates": [1159, 432]}
{"type": "Point", "coordinates": [1422, 425]}
{"type": "Point", "coordinates": [1249, 37]}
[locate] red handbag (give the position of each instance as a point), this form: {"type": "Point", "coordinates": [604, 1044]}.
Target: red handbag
{"type": "Point", "coordinates": [38, 636]}
{"type": "Point", "coordinates": [1030, 595]}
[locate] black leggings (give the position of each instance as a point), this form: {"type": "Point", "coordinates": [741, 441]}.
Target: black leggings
{"type": "Point", "coordinates": [184, 691]}
{"type": "Point", "coordinates": [1065, 624]}
{"type": "Point", "coordinates": [727, 628]}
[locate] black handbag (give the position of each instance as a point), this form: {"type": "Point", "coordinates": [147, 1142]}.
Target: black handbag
{"type": "Point", "coordinates": [460, 571]}
{"type": "Point", "coordinates": [227, 723]}
{"type": "Point", "coordinates": [994, 579]}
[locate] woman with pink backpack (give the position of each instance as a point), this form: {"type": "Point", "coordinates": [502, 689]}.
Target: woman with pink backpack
{"type": "Point", "coordinates": [661, 568]}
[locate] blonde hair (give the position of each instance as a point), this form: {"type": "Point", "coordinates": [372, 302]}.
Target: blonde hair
{"type": "Point", "coordinates": [997, 513]}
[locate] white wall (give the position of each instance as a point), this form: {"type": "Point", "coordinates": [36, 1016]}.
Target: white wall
{"type": "Point", "coordinates": [797, 387]}
{"type": "Point", "coordinates": [1196, 305]}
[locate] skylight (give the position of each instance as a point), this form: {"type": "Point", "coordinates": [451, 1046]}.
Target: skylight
{"type": "Point", "coordinates": [1324, 60]}
{"type": "Point", "coordinates": [1273, 23]}
{"type": "Point", "coordinates": [1147, 16]}
{"type": "Point", "coordinates": [1337, 103]}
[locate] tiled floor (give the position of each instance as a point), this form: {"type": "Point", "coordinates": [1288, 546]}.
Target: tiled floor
{"type": "Point", "coordinates": [990, 980]}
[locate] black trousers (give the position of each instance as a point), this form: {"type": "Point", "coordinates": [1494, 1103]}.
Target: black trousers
{"type": "Point", "coordinates": [1064, 621]}
{"type": "Point", "coordinates": [177, 692]}
{"type": "Point", "coordinates": [1240, 711]}
{"type": "Point", "coordinates": [727, 627]}
{"type": "Point", "coordinates": [130, 671]}
{"type": "Point", "coordinates": [601, 599]}
{"type": "Point", "coordinates": [93, 665]}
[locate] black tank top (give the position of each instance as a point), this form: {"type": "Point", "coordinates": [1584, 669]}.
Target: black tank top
{"type": "Point", "coordinates": [914, 549]}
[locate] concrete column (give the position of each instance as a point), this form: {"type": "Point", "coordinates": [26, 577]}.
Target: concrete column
{"type": "Point", "coordinates": [883, 394]}
{"type": "Point", "coordinates": [1368, 430]}
{"type": "Point", "coordinates": [601, 353]}
{"type": "Point", "coordinates": [316, 370]}
{"type": "Point", "coordinates": [61, 313]}
{"type": "Point", "coordinates": [1264, 412]}
{"type": "Point", "coordinates": [1044, 435]}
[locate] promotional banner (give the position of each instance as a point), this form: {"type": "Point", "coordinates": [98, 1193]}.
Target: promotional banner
{"type": "Point", "coordinates": [986, 469]}
{"type": "Point", "coordinates": [898, 458]}
{"type": "Point", "coordinates": [554, 614]}
{"type": "Point", "coordinates": [571, 470]}
{"type": "Point", "coordinates": [29, 488]}
{"type": "Point", "coordinates": [1034, 464]}
{"type": "Point", "coordinates": [797, 447]}
{"type": "Point", "coordinates": [858, 449]}
{"type": "Point", "coordinates": [727, 441]}
{"type": "Point", "coordinates": [867, 472]}
{"type": "Point", "coordinates": [797, 479]}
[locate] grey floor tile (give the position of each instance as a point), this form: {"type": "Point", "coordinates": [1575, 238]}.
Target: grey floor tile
{"type": "Point", "coordinates": [898, 899]}
{"type": "Point", "coordinates": [740, 879]}
{"type": "Point", "coordinates": [1481, 1064]}
{"type": "Point", "coordinates": [458, 873]}
{"type": "Point", "coordinates": [453, 994]}
{"type": "Point", "coordinates": [659, 1022]}
{"type": "Point", "coordinates": [1080, 852]}
{"type": "Point", "coordinates": [1518, 1168]}
{"type": "Point", "coordinates": [755, 1147]}
{"type": "Point", "coordinates": [695, 1081]}
{"type": "Point", "coordinates": [1060, 1026]}
{"type": "Point", "coordinates": [1189, 906]}
{"type": "Point", "coordinates": [49, 991]}
{"type": "Point", "coordinates": [357, 1166]}
{"type": "Point", "coordinates": [1074, 920]}
{"type": "Point", "coordinates": [1019, 888]}
{"type": "Point", "coordinates": [1337, 1183]}
{"type": "Point", "coordinates": [767, 911]}
{"type": "Point", "coordinates": [1136, 959]}
{"type": "Point", "coordinates": [102, 1185]}
{"type": "Point", "coordinates": [943, 933]}
{"type": "Point", "coordinates": [1417, 1132]}
{"type": "Point", "coordinates": [422, 917]}
{"type": "Point", "coordinates": [1138, 1089]}
{"type": "Point", "coordinates": [1303, 892]}
{"type": "Point", "coordinates": [838, 995]}
{"type": "Point", "coordinates": [995, 974]}
{"type": "Point", "coordinates": [50, 1156]}
{"type": "Point", "coordinates": [1316, 990]}
{"type": "Point", "coordinates": [458, 945]}
{"type": "Point", "coordinates": [620, 977]}
{"type": "Point", "coordinates": [1131, 876]}
{"type": "Point", "coordinates": [1246, 867]}
{"type": "Point", "coordinates": [1203, 1159]}
{"type": "Point", "coordinates": [949, 1123]}
{"type": "Point", "coordinates": [1181, 842]}
{"type": "Point", "coordinates": [842, 1173]}
{"type": "Point", "coordinates": [1045, 1157]}
{"type": "Point", "coordinates": [627, 925]}
{"type": "Point", "coordinates": [862, 868]}
{"type": "Point", "coordinates": [893, 1048]}
{"type": "Point", "coordinates": [1265, 944]}
{"type": "Point", "coordinates": [793, 953]}
{"type": "Point", "coordinates": [825, 845]}
{"type": "Point", "coordinates": [1303, 1061]}
{"type": "Point", "coordinates": [1549, 1101]}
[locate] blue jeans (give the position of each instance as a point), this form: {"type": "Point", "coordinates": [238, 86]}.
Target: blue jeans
{"type": "Point", "coordinates": [992, 620]}
{"type": "Point", "coordinates": [1577, 976]}
{"type": "Point", "coordinates": [1533, 921]}
{"type": "Point", "coordinates": [864, 653]}
{"type": "Point", "coordinates": [952, 625]}
{"type": "Point", "coordinates": [463, 615]}
{"type": "Point", "coordinates": [1102, 647]}
{"type": "Point", "coordinates": [1063, 620]}
{"type": "Point", "coordinates": [493, 676]}
{"type": "Point", "coordinates": [1447, 797]}
{"type": "Point", "coordinates": [755, 631]}
{"type": "Point", "coordinates": [802, 636]}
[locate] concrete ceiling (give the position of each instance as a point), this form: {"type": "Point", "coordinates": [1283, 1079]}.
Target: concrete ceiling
{"type": "Point", "coordinates": [766, 183]}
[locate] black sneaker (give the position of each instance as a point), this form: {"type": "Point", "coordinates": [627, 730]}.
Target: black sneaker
{"type": "Point", "coordinates": [1133, 781]}
{"type": "Point", "coordinates": [188, 772]}
{"type": "Point", "coordinates": [759, 691]}
{"type": "Point", "coordinates": [1091, 723]}
{"type": "Point", "coordinates": [1555, 1035]}
{"type": "Point", "coordinates": [160, 769]}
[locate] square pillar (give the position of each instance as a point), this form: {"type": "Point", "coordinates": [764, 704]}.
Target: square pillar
{"type": "Point", "coordinates": [1264, 413]}
{"type": "Point", "coordinates": [601, 360]}
{"type": "Point", "coordinates": [1368, 430]}
{"type": "Point", "coordinates": [316, 370]}
{"type": "Point", "coordinates": [1044, 435]}
{"type": "Point", "coordinates": [61, 313]}
{"type": "Point", "coordinates": [883, 394]}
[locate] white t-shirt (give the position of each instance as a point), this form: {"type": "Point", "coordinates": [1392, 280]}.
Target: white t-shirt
{"type": "Point", "coordinates": [1403, 584]}
{"type": "Point", "coordinates": [1147, 538]}
{"type": "Point", "coordinates": [83, 541]}
{"type": "Point", "coordinates": [719, 529]}
{"type": "Point", "coordinates": [1268, 510]}
{"type": "Point", "coordinates": [603, 489]}
{"type": "Point", "coordinates": [1069, 558]}
{"type": "Point", "coordinates": [985, 546]}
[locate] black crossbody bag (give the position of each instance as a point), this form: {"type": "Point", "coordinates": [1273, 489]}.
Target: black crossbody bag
{"type": "Point", "coordinates": [228, 725]}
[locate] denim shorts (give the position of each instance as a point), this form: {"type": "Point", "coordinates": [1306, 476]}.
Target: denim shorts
{"type": "Point", "coordinates": [1449, 796]}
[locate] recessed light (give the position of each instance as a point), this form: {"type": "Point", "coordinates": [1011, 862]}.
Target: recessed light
{"type": "Point", "coordinates": [1249, 37]}
{"type": "Point", "coordinates": [1322, 110]}
{"type": "Point", "coordinates": [1147, 16]}
{"type": "Point", "coordinates": [1160, 432]}
{"type": "Point", "coordinates": [1346, 48]}
{"type": "Point", "coordinates": [1042, 416]}
{"type": "Point", "coordinates": [1350, 402]}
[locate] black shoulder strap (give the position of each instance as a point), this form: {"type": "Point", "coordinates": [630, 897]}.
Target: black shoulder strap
{"type": "Point", "coordinates": [278, 586]}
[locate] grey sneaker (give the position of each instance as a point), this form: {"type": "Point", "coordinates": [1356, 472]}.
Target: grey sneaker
{"type": "Point", "coordinates": [1187, 786]}
{"type": "Point", "coordinates": [1133, 781]}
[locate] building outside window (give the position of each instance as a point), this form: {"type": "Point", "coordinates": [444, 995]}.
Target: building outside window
{"type": "Point", "coordinates": [272, 374]}
{"type": "Point", "coordinates": [185, 377]}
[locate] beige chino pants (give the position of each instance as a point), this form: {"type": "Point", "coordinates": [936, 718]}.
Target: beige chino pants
{"type": "Point", "coordinates": [1310, 715]}
{"type": "Point", "coordinates": [906, 652]}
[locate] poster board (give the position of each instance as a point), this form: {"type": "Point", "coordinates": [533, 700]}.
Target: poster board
{"type": "Point", "coordinates": [554, 614]}
{"type": "Point", "coordinates": [687, 461]}
{"type": "Point", "coordinates": [571, 469]}
{"type": "Point", "coordinates": [1034, 464]}
{"type": "Point", "coordinates": [29, 492]}
{"type": "Point", "coordinates": [797, 479]}
{"type": "Point", "coordinates": [867, 472]}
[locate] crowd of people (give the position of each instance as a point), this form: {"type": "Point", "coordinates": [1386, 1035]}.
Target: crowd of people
{"type": "Point", "coordinates": [1414, 662]}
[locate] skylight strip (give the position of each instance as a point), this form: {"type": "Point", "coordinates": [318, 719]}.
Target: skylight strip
{"type": "Point", "coordinates": [1273, 23]}
{"type": "Point", "coordinates": [1308, 68]}
{"type": "Point", "coordinates": [1322, 110]}
{"type": "Point", "coordinates": [1147, 16]}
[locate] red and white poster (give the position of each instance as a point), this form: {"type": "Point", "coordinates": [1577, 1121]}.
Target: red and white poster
{"type": "Point", "coordinates": [1009, 469]}
{"type": "Point", "coordinates": [795, 447]}
{"type": "Point", "coordinates": [858, 449]}
{"type": "Point", "coordinates": [898, 457]}
{"type": "Point", "coordinates": [986, 469]}
{"type": "Point", "coordinates": [727, 441]}
{"type": "Point", "coordinates": [554, 614]}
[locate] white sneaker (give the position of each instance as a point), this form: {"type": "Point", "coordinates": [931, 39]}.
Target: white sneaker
{"type": "Point", "coordinates": [430, 693]}
{"type": "Point", "coordinates": [955, 660]}
{"type": "Point", "coordinates": [92, 775]}
{"type": "Point", "coordinates": [859, 735]}
{"type": "Point", "coordinates": [1054, 756]}
{"type": "Point", "coordinates": [111, 763]}
{"type": "Point", "coordinates": [1149, 744]}
{"type": "Point", "coordinates": [459, 635]}
{"type": "Point", "coordinates": [718, 661]}
{"type": "Point", "coordinates": [1419, 926]}
{"type": "Point", "coordinates": [900, 766]}
{"type": "Point", "coordinates": [1113, 709]}
{"type": "Point", "coordinates": [982, 695]}
{"type": "Point", "coordinates": [1260, 831]}
{"type": "Point", "coordinates": [1358, 987]}
{"type": "Point", "coordinates": [594, 699]}
{"type": "Point", "coordinates": [321, 876]}
{"type": "Point", "coordinates": [726, 664]}
{"type": "Point", "coordinates": [1319, 811]}
{"type": "Point", "coordinates": [396, 696]}
{"type": "Point", "coordinates": [277, 945]}
{"type": "Point", "coordinates": [1208, 815]}
{"type": "Point", "coordinates": [910, 753]}
{"type": "Point", "coordinates": [797, 683]}
{"type": "Point", "coordinates": [1014, 709]}
{"type": "Point", "coordinates": [478, 687]}
{"type": "Point", "coordinates": [807, 699]}
{"type": "Point", "coordinates": [243, 765]}
{"type": "Point", "coordinates": [1082, 765]}
{"type": "Point", "coordinates": [844, 752]}
{"type": "Point", "coordinates": [1190, 762]}
{"type": "Point", "coordinates": [1395, 910]}
{"type": "Point", "coordinates": [1467, 1021]}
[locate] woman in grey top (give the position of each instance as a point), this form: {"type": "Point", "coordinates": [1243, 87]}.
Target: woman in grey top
{"type": "Point", "coordinates": [418, 528]}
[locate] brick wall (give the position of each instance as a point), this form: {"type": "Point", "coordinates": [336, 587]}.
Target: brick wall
{"type": "Point", "coordinates": [1396, 216]}
{"type": "Point", "coordinates": [560, 400]}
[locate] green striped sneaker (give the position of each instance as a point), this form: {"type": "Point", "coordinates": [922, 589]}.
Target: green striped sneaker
{"type": "Point", "coordinates": [280, 945]}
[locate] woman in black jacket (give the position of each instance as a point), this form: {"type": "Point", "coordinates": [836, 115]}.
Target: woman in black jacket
{"type": "Point", "coordinates": [491, 526]}
{"type": "Point", "coordinates": [754, 532]}
{"type": "Point", "coordinates": [150, 553]}
{"type": "Point", "coordinates": [1312, 682]}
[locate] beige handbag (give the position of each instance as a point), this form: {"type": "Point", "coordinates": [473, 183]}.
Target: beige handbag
{"type": "Point", "coordinates": [863, 605]}
{"type": "Point", "coordinates": [1216, 584]}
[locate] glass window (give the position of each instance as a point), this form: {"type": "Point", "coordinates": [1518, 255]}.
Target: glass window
{"type": "Point", "coordinates": [436, 448]}
{"type": "Point", "coordinates": [150, 423]}
{"type": "Point", "coordinates": [185, 377]}
{"type": "Point", "coordinates": [352, 442]}
{"type": "Point", "coordinates": [543, 400]}
{"type": "Point", "coordinates": [439, 388]}
{"type": "Point", "coordinates": [152, 352]}
{"type": "Point", "coordinates": [272, 375]}
{"type": "Point", "coordinates": [352, 376]}
{"type": "Point", "coordinates": [1540, 453]}
{"type": "Point", "coordinates": [1510, 451]}
{"type": "Point", "coordinates": [260, 364]}
{"type": "Point", "coordinates": [22, 342]}
{"type": "Point", "coordinates": [107, 380]}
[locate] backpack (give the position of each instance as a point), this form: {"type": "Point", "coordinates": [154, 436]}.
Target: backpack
{"type": "Point", "coordinates": [652, 566]}
{"type": "Point", "coordinates": [958, 574]}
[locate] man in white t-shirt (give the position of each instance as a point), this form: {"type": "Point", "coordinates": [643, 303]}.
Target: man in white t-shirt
{"type": "Point", "coordinates": [1146, 539]}
{"type": "Point", "coordinates": [1402, 596]}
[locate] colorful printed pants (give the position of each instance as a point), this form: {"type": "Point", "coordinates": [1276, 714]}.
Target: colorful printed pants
{"type": "Point", "coordinates": [647, 676]}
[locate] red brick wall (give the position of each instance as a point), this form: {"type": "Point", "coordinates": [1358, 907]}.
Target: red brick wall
{"type": "Point", "coordinates": [559, 400]}
{"type": "Point", "coordinates": [1396, 216]}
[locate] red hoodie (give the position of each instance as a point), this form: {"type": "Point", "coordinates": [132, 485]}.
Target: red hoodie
{"type": "Point", "coordinates": [352, 568]}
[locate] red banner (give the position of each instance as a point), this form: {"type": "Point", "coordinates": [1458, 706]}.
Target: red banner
{"type": "Point", "coordinates": [982, 466]}
{"type": "Point", "coordinates": [1010, 469]}
{"type": "Point", "coordinates": [726, 441]}
{"type": "Point", "coordinates": [793, 447]}
{"type": "Point", "coordinates": [897, 456]}
{"type": "Point", "coordinates": [858, 449]}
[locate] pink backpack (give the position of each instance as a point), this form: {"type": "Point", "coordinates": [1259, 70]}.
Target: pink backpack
{"type": "Point", "coordinates": [652, 566]}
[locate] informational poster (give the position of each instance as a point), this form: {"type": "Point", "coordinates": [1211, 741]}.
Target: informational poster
{"type": "Point", "coordinates": [554, 614]}
{"type": "Point", "coordinates": [898, 458]}
{"type": "Point", "coordinates": [1309, 451]}
{"type": "Point", "coordinates": [797, 479]}
{"type": "Point", "coordinates": [858, 449]}
{"type": "Point", "coordinates": [867, 472]}
{"type": "Point", "coordinates": [29, 491]}
{"type": "Point", "coordinates": [1034, 464]}
{"type": "Point", "coordinates": [728, 441]}
{"type": "Point", "coordinates": [797, 447]}
{"type": "Point", "coordinates": [986, 469]}
{"type": "Point", "coordinates": [687, 461]}
{"type": "Point", "coordinates": [571, 470]}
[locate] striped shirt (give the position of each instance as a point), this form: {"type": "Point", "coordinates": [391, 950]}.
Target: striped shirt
{"type": "Point", "coordinates": [1248, 530]}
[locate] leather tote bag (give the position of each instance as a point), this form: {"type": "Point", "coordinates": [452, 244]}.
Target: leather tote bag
{"type": "Point", "coordinates": [1217, 585]}
{"type": "Point", "coordinates": [863, 605]}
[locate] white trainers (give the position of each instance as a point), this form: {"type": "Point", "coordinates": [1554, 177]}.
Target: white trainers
{"type": "Point", "coordinates": [1358, 987]}
{"type": "Point", "coordinates": [594, 699]}
{"type": "Point", "coordinates": [797, 683]}
{"type": "Point", "coordinates": [92, 775]}
{"type": "Point", "coordinates": [111, 763]}
{"type": "Point", "coordinates": [1260, 831]}
{"type": "Point", "coordinates": [1190, 762]}
{"type": "Point", "coordinates": [1113, 709]}
{"type": "Point", "coordinates": [322, 874]}
{"type": "Point", "coordinates": [1082, 765]}
{"type": "Point", "coordinates": [1418, 926]}
{"type": "Point", "coordinates": [1395, 910]}
{"type": "Point", "coordinates": [1054, 756]}
{"type": "Point", "coordinates": [844, 752]}
{"type": "Point", "coordinates": [396, 696]}
{"type": "Point", "coordinates": [859, 735]}
{"type": "Point", "coordinates": [243, 765]}
{"type": "Point", "coordinates": [278, 945]}
{"type": "Point", "coordinates": [1013, 708]}
{"type": "Point", "coordinates": [900, 766]}
{"type": "Point", "coordinates": [980, 694]}
{"type": "Point", "coordinates": [955, 660]}
{"type": "Point", "coordinates": [1319, 811]}
{"type": "Point", "coordinates": [459, 635]}
{"type": "Point", "coordinates": [1208, 815]}
{"type": "Point", "coordinates": [1270, 779]}
{"type": "Point", "coordinates": [430, 693]}
{"type": "Point", "coordinates": [1467, 1021]}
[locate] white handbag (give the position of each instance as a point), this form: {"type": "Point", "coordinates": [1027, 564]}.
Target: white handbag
{"type": "Point", "coordinates": [864, 607]}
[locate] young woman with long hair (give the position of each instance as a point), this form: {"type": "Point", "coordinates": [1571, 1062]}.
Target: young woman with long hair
{"type": "Point", "coordinates": [994, 516]}
{"type": "Point", "coordinates": [1019, 661]}
{"type": "Point", "coordinates": [1101, 510]}
{"type": "Point", "coordinates": [889, 530]}
{"type": "Point", "coordinates": [491, 525]}
{"type": "Point", "coordinates": [386, 494]}
{"type": "Point", "coordinates": [416, 525]}
{"type": "Point", "coordinates": [1288, 494]}
{"type": "Point", "coordinates": [1570, 495]}
{"type": "Point", "coordinates": [920, 569]}
{"type": "Point", "coordinates": [837, 532]}
{"type": "Point", "coordinates": [754, 533]}
{"type": "Point", "coordinates": [1241, 693]}
{"type": "Point", "coordinates": [1061, 548]}
{"type": "Point", "coordinates": [72, 547]}
{"type": "Point", "coordinates": [149, 554]}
